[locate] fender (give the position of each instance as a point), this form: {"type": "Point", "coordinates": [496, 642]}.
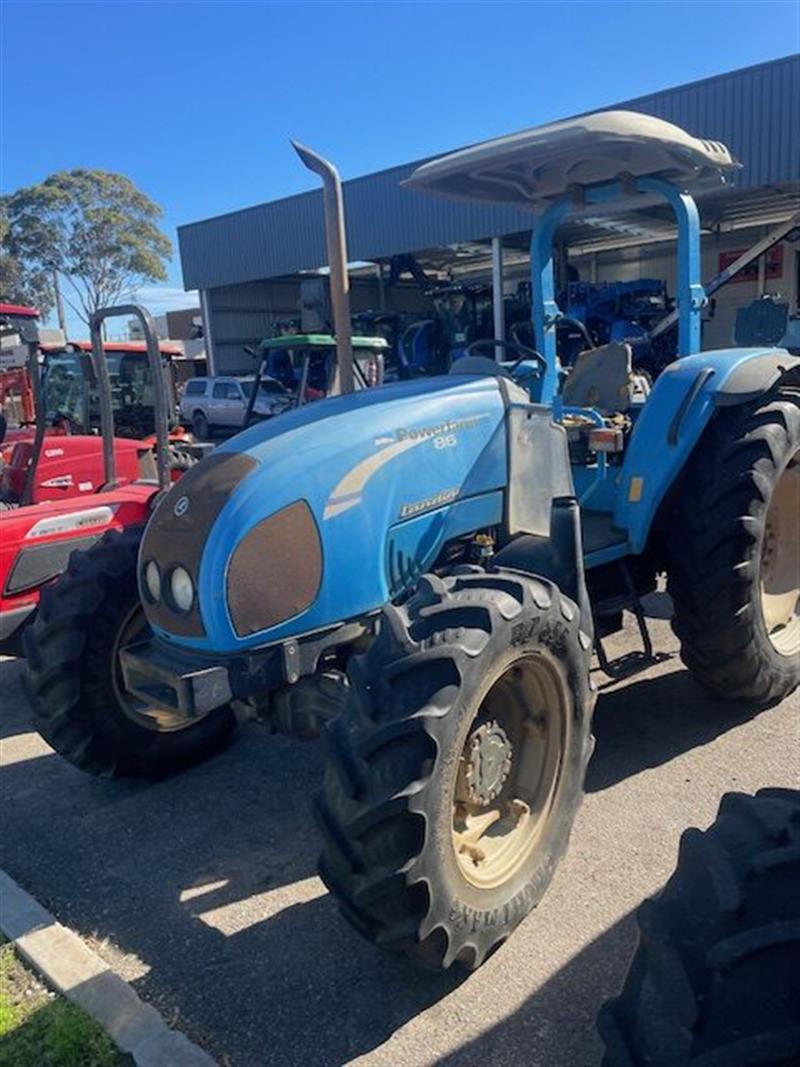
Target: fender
{"type": "Point", "coordinates": [680, 407]}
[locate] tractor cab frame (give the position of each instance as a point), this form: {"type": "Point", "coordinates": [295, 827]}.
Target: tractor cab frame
{"type": "Point", "coordinates": [69, 386]}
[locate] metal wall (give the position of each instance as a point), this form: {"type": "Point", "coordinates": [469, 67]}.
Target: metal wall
{"type": "Point", "coordinates": [659, 261]}
{"type": "Point", "coordinates": [245, 314]}
{"type": "Point", "coordinates": [755, 111]}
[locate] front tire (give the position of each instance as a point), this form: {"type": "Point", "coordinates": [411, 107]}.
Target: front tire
{"type": "Point", "coordinates": [714, 977]}
{"type": "Point", "coordinates": [81, 707]}
{"type": "Point", "coordinates": [457, 767]}
{"type": "Point", "coordinates": [734, 566]}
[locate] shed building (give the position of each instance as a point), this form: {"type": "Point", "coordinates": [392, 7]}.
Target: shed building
{"type": "Point", "coordinates": [258, 266]}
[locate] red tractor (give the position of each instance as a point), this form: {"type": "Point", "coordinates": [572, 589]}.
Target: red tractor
{"type": "Point", "coordinates": [62, 385]}
{"type": "Point", "coordinates": [37, 538]}
{"type": "Point", "coordinates": [16, 390]}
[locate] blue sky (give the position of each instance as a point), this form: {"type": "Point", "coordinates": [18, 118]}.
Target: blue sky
{"type": "Point", "coordinates": [196, 101]}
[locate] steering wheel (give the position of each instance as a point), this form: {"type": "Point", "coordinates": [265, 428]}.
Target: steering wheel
{"type": "Point", "coordinates": [68, 422]}
{"type": "Point", "coordinates": [525, 353]}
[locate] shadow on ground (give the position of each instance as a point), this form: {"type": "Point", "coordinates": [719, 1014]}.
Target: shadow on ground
{"type": "Point", "coordinates": [667, 716]}
{"type": "Point", "coordinates": [207, 879]}
{"type": "Point", "coordinates": [561, 1014]}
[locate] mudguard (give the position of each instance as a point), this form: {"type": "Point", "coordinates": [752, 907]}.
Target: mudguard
{"type": "Point", "coordinates": [680, 406]}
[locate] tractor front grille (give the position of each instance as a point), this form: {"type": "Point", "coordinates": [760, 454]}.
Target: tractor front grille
{"type": "Point", "coordinates": [177, 532]}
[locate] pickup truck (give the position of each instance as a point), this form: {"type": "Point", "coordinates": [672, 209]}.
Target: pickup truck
{"type": "Point", "coordinates": [210, 404]}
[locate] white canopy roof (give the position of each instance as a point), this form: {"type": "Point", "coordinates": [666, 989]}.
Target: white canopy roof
{"type": "Point", "coordinates": [531, 168]}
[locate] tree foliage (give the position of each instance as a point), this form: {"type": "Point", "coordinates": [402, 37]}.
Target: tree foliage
{"type": "Point", "coordinates": [19, 285]}
{"type": "Point", "coordinates": [94, 228]}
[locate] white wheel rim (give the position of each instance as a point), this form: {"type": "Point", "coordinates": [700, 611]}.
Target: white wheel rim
{"type": "Point", "coordinates": [493, 841]}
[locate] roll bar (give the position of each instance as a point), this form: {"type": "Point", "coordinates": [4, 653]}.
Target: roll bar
{"type": "Point", "coordinates": [336, 240]}
{"type": "Point", "coordinates": [104, 387]}
{"type": "Point", "coordinates": [691, 297]}
{"type": "Point", "coordinates": [29, 332]}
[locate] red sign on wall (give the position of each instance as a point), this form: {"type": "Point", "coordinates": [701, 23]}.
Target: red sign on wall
{"type": "Point", "coordinates": [773, 267]}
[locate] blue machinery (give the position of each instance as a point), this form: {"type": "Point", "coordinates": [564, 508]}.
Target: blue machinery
{"type": "Point", "coordinates": [691, 297]}
{"type": "Point", "coordinates": [305, 539]}
{"type": "Point", "coordinates": [390, 477]}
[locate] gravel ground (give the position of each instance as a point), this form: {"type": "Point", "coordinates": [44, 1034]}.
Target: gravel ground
{"type": "Point", "coordinates": [201, 890]}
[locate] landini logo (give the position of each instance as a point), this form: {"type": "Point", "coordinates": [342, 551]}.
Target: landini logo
{"type": "Point", "coordinates": [438, 500]}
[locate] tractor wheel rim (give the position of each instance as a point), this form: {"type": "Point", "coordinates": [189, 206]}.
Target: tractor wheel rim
{"type": "Point", "coordinates": [509, 772]}
{"type": "Point", "coordinates": [151, 717]}
{"type": "Point", "coordinates": [780, 562]}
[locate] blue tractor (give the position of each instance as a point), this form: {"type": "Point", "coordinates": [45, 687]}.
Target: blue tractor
{"type": "Point", "coordinates": [619, 311]}
{"type": "Point", "coordinates": [430, 564]}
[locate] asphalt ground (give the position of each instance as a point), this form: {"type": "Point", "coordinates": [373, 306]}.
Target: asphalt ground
{"type": "Point", "coordinates": [201, 890]}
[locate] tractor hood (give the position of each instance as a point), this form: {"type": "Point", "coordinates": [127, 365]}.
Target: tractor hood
{"type": "Point", "coordinates": [323, 514]}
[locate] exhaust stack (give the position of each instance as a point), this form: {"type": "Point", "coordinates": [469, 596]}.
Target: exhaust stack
{"type": "Point", "coordinates": [336, 240]}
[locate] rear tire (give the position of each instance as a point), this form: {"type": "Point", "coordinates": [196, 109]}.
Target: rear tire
{"type": "Point", "coordinates": [436, 843]}
{"type": "Point", "coordinates": [75, 684]}
{"type": "Point", "coordinates": [713, 981]}
{"type": "Point", "coordinates": [735, 545]}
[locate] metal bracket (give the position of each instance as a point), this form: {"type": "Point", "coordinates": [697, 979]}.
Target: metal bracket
{"type": "Point", "coordinates": [698, 298]}
{"type": "Point", "coordinates": [634, 661]}
{"type": "Point", "coordinates": [291, 661]}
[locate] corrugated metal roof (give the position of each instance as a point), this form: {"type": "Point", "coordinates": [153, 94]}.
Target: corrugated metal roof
{"type": "Point", "coordinates": [754, 111]}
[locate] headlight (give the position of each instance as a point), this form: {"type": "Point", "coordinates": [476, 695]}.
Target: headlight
{"type": "Point", "coordinates": [181, 589]}
{"type": "Point", "coordinates": [152, 580]}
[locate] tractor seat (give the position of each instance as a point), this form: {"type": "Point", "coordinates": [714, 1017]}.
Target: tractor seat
{"type": "Point", "coordinates": [602, 378]}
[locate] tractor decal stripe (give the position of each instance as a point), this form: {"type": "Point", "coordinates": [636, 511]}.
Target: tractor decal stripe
{"type": "Point", "coordinates": [347, 494]}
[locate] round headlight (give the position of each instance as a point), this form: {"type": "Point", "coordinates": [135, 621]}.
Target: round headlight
{"type": "Point", "coordinates": [152, 580]}
{"type": "Point", "coordinates": [181, 589]}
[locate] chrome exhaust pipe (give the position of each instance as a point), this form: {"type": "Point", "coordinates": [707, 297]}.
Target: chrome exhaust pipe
{"type": "Point", "coordinates": [336, 240]}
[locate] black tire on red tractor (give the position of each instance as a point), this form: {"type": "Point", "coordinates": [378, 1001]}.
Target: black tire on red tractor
{"type": "Point", "coordinates": [734, 567]}
{"type": "Point", "coordinates": [714, 979]}
{"type": "Point", "coordinates": [456, 769]}
{"type": "Point", "coordinates": [80, 703]}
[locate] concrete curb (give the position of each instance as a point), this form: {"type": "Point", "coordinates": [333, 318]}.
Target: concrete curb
{"type": "Point", "coordinates": [76, 972]}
